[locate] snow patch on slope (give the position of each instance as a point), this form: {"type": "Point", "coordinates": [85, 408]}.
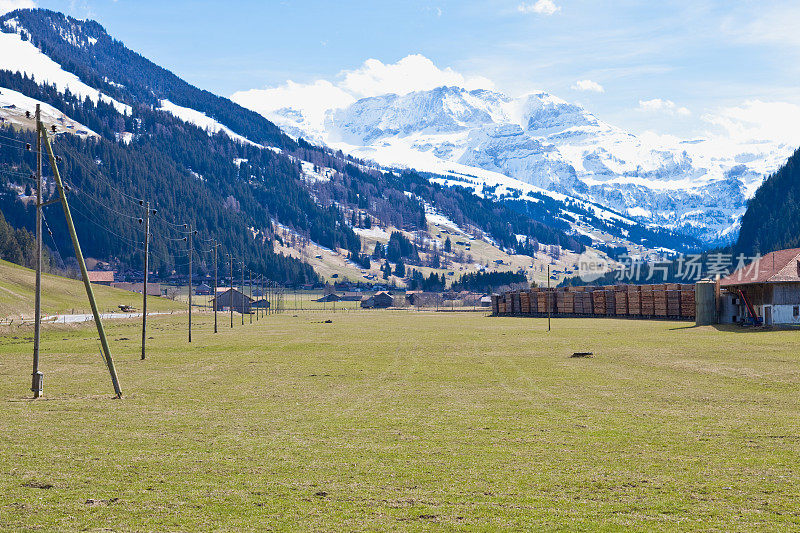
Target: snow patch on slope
{"type": "Point", "coordinates": [202, 121]}
{"type": "Point", "coordinates": [21, 56]}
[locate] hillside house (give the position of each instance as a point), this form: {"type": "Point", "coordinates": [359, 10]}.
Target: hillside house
{"type": "Point", "coordinates": [771, 285]}
{"type": "Point", "coordinates": [241, 303]}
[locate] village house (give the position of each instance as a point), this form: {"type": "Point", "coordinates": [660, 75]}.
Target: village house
{"type": "Point", "coordinates": [380, 300]}
{"type": "Point", "coordinates": [241, 303]}
{"type": "Point", "coordinates": [769, 285]}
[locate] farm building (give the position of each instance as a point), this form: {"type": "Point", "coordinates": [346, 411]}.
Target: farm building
{"type": "Point", "coordinates": [380, 300]}
{"type": "Point", "coordinates": [261, 304]}
{"type": "Point", "coordinates": [203, 290]}
{"type": "Point", "coordinates": [241, 303]}
{"type": "Point", "coordinates": [768, 287]}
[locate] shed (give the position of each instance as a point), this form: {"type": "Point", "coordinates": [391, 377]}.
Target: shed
{"type": "Point", "coordinates": [204, 290]}
{"type": "Point", "coordinates": [241, 303]}
{"type": "Point", "coordinates": [770, 284]}
{"type": "Point", "coordinates": [380, 300]}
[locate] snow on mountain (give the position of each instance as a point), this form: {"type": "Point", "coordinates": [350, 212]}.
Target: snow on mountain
{"type": "Point", "coordinates": [18, 54]}
{"type": "Point", "coordinates": [694, 186]}
{"type": "Point", "coordinates": [202, 121]}
{"type": "Point", "coordinates": [14, 105]}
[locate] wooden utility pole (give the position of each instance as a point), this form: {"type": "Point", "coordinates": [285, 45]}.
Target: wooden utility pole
{"type": "Point", "coordinates": [251, 295]}
{"type": "Point", "coordinates": [548, 298]}
{"type": "Point", "coordinates": [81, 263]}
{"type": "Point", "coordinates": [37, 385]}
{"type": "Point", "coordinates": [243, 292]}
{"type": "Point", "coordinates": [146, 270]}
{"type": "Point", "coordinates": [230, 290]}
{"type": "Point", "coordinates": [216, 281]}
{"type": "Point", "coordinates": [190, 281]}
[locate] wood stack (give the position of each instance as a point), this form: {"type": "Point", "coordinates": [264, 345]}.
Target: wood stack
{"type": "Point", "coordinates": [525, 302]}
{"type": "Point", "coordinates": [611, 307]}
{"type": "Point", "coordinates": [533, 296]}
{"type": "Point", "coordinates": [688, 309]}
{"type": "Point", "coordinates": [545, 297]}
{"type": "Point", "coordinates": [583, 303]}
{"type": "Point", "coordinates": [515, 302]}
{"type": "Point", "coordinates": [634, 300]}
{"type": "Point", "coordinates": [648, 302]}
{"type": "Point", "coordinates": [495, 304]}
{"type": "Point", "coordinates": [599, 302]}
{"type": "Point", "coordinates": [660, 300]}
{"type": "Point", "coordinates": [621, 300]}
{"type": "Point", "coordinates": [565, 302]}
{"type": "Point", "coordinates": [673, 303]}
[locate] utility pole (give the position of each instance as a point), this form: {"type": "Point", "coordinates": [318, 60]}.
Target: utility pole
{"type": "Point", "coordinates": [191, 232]}
{"type": "Point", "coordinates": [230, 290]}
{"type": "Point", "coordinates": [243, 292]}
{"type": "Point", "coordinates": [81, 263]}
{"type": "Point", "coordinates": [548, 298]}
{"type": "Point", "coordinates": [251, 294]}
{"type": "Point", "coordinates": [216, 244]}
{"type": "Point", "coordinates": [37, 385]}
{"type": "Point", "coordinates": [146, 269]}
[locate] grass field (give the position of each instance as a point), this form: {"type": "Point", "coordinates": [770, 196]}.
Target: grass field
{"type": "Point", "coordinates": [404, 421]}
{"type": "Point", "coordinates": [63, 295]}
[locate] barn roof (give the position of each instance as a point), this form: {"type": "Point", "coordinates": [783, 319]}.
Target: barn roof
{"type": "Point", "coordinates": [775, 267]}
{"type": "Point", "coordinates": [100, 276]}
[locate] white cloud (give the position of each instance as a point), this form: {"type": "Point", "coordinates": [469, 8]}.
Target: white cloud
{"type": "Point", "coordinates": [588, 85]}
{"type": "Point", "coordinates": [663, 106]}
{"type": "Point", "coordinates": [541, 7]}
{"type": "Point", "coordinates": [755, 120]}
{"type": "Point", "coordinates": [11, 5]}
{"type": "Point", "coordinates": [412, 73]}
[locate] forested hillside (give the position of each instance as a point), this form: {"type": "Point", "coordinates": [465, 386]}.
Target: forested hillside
{"type": "Point", "coordinates": [232, 187]}
{"type": "Point", "coordinates": [772, 219]}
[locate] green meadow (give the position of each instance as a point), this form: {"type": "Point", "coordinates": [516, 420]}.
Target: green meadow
{"type": "Point", "coordinates": [397, 420]}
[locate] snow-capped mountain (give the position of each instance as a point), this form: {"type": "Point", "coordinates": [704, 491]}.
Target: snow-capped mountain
{"type": "Point", "coordinates": [694, 186]}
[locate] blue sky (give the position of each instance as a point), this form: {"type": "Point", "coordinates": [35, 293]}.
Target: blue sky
{"type": "Point", "coordinates": [666, 66]}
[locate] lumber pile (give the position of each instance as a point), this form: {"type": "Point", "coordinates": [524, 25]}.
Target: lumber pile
{"type": "Point", "coordinates": [525, 302]}
{"type": "Point", "coordinates": [545, 297]}
{"type": "Point", "coordinates": [495, 304]}
{"type": "Point", "coordinates": [688, 309]}
{"type": "Point", "coordinates": [565, 302]}
{"type": "Point", "coordinates": [634, 300]}
{"type": "Point", "coordinates": [660, 300]}
{"type": "Point", "coordinates": [611, 307]}
{"type": "Point", "coordinates": [648, 302]}
{"type": "Point", "coordinates": [621, 300]}
{"type": "Point", "coordinates": [673, 302]}
{"type": "Point", "coordinates": [599, 302]}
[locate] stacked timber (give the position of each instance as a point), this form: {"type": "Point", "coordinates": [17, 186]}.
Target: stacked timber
{"type": "Point", "coordinates": [634, 300]}
{"type": "Point", "coordinates": [495, 304]}
{"type": "Point", "coordinates": [599, 302]}
{"type": "Point", "coordinates": [611, 307]}
{"type": "Point", "coordinates": [673, 302]}
{"type": "Point", "coordinates": [525, 302]}
{"type": "Point", "coordinates": [533, 296]}
{"type": "Point", "coordinates": [515, 307]}
{"type": "Point", "coordinates": [660, 300]}
{"type": "Point", "coordinates": [688, 308]}
{"type": "Point", "coordinates": [545, 297]}
{"type": "Point", "coordinates": [621, 300]}
{"type": "Point", "coordinates": [565, 302]}
{"type": "Point", "coordinates": [648, 303]}
{"type": "Point", "coordinates": [583, 303]}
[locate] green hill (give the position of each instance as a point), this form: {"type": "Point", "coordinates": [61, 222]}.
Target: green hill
{"type": "Point", "coordinates": [63, 295]}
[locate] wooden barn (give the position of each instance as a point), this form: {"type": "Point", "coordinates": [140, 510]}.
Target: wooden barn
{"type": "Point", "coordinates": [241, 303]}
{"type": "Point", "coordinates": [380, 300]}
{"type": "Point", "coordinates": [770, 287]}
